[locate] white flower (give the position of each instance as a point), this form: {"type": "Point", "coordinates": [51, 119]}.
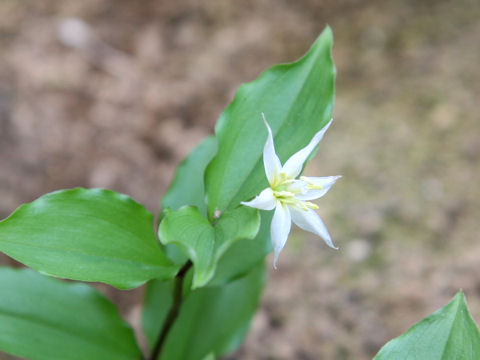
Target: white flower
{"type": "Point", "coordinates": [290, 196]}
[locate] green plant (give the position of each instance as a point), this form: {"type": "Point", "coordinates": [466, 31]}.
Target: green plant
{"type": "Point", "coordinates": [212, 240]}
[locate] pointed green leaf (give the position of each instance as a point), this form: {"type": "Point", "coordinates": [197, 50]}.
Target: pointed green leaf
{"type": "Point", "coordinates": [242, 256]}
{"type": "Point", "coordinates": [158, 301]}
{"type": "Point", "coordinates": [203, 243]}
{"type": "Point", "coordinates": [89, 235]}
{"type": "Point", "coordinates": [42, 318]}
{"type": "Point", "coordinates": [192, 232]}
{"type": "Point", "coordinates": [212, 320]}
{"type": "Point", "coordinates": [187, 187]}
{"type": "Point", "coordinates": [449, 333]}
{"type": "Point", "coordinates": [297, 100]}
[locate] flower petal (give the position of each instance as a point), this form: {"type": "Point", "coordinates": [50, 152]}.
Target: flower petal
{"type": "Point", "coordinates": [322, 185]}
{"type": "Point", "coordinates": [279, 230]}
{"type": "Point", "coordinates": [297, 187]}
{"type": "Point", "coordinates": [263, 201]}
{"type": "Point", "coordinates": [294, 165]}
{"type": "Point", "coordinates": [271, 162]}
{"type": "Point", "coordinates": [310, 221]}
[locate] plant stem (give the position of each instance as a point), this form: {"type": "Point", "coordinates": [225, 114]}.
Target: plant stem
{"type": "Point", "coordinates": [174, 310]}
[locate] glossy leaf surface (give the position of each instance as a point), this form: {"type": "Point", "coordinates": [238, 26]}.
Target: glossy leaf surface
{"type": "Point", "coordinates": [187, 187]}
{"type": "Point", "coordinates": [212, 320]}
{"type": "Point", "coordinates": [42, 318]}
{"type": "Point", "coordinates": [297, 100]}
{"type": "Point", "coordinates": [449, 333]}
{"type": "Point", "coordinates": [242, 256]}
{"type": "Point", "coordinates": [203, 243]}
{"type": "Point", "coordinates": [89, 235]}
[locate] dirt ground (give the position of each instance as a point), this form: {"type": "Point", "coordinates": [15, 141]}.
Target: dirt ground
{"type": "Point", "coordinates": [103, 93]}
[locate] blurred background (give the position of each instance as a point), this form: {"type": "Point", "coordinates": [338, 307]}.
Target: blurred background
{"type": "Point", "coordinates": [104, 93]}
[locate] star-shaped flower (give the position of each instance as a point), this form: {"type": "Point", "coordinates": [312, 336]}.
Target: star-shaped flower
{"type": "Point", "coordinates": [289, 195]}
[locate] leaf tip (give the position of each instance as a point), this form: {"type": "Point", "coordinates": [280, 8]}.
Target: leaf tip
{"type": "Point", "coordinates": [328, 31]}
{"type": "Point", "coordinates": [460, 297]}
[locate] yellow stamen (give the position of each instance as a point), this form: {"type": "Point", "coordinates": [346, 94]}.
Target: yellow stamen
{"type": "Point", "coordinates": [279, 180]}
{"type": "Point", "coordinates": [283, 194]}
{"type": "Point", "coordinates": [286, 195]}
{"type": "Point", "coordinates": [310, 185]}
{"type": "Point", "coordinates": [311, 205]}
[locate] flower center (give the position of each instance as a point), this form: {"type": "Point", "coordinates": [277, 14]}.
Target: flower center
{"type": "Point", "coordinates": [281, 181]}
{"type": "Point", "coordinates": [285, 189]}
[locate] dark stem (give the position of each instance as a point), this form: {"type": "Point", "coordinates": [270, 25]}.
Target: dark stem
{"type": "Point", "coordinates": [174, 310]}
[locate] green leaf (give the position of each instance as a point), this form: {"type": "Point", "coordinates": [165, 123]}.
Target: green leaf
{"type": "Point", "coordinates": [242, 256]}
{"type": "Point", "coordinates": [42, 318]}
{"type": "Point", "coordinates": [449, 333]}
{"type": "Point", "coordinates": [158, 301]}
{"type": "Point", "coordinates": [212, 320]}
{"type": "Point", "coordinates": [297, 100]}
{"type": "Point", "coordinates": [203, 243]}
{"type": "Point", "coordinates": [89, 235]}
{"type": "Point", "coordinates": [187, 187]}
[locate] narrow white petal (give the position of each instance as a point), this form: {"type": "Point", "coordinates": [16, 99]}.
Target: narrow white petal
{"type": "Point", "coordinates": [310, 221]}
{"type": "Point", "coordinates": [271, 162]}
{"type": "Point", "coordinates": [298, 187]}
{"type": "Point", "coordinates": [294, 165]}
{"type": "Point", "coordinates": [263, 201]}
{"type": "Point", "coordinates": [322, 183]}
{"type": "Point", "coordinates": [279, 230]}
